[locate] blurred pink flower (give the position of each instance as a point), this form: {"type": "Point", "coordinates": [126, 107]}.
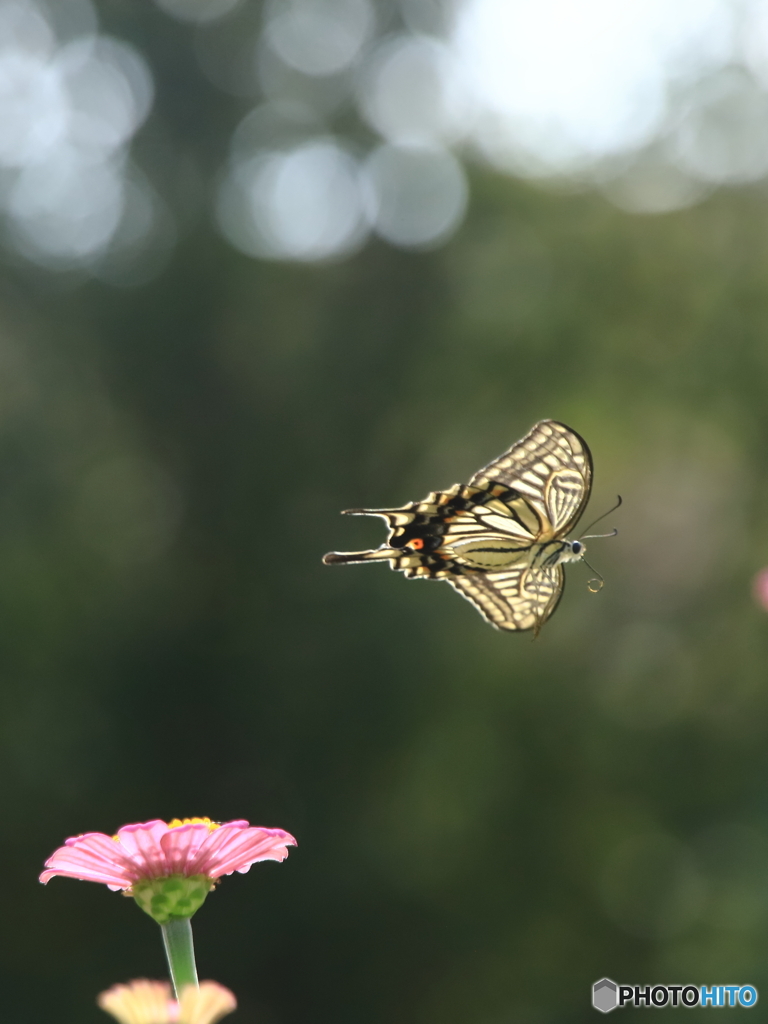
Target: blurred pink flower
{"type": "Point", "coordinates": [140, 1002]}
{"type": "Point", "coordinates": [206, 1004]}
{"type": "Point", "coordinates": [153, 849]}
{"type": "Point", "coordinates": [149, 1002]}
{"type": "Point", "coordinates": [760, 588]}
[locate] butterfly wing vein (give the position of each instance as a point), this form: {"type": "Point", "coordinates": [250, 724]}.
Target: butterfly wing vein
{"type": "Point", "coordinates": [514, 600]}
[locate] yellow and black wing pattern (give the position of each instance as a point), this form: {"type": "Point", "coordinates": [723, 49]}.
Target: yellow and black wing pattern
{"type": "Point", "coordinates": [498, 540]}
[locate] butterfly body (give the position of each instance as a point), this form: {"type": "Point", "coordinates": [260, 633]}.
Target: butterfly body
{"type": "Point", "coordinates": [500, 539]}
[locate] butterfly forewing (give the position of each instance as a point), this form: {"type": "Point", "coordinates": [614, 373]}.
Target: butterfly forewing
{"type": "Point", "coordinates": [551, 468]}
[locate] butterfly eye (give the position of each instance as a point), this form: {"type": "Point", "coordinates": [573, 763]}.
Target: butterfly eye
{"type": "Point", "coordinates": [576, 546]}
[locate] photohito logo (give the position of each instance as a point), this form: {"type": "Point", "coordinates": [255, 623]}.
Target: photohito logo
{"type": "Point", "coordinates": [607, 995]}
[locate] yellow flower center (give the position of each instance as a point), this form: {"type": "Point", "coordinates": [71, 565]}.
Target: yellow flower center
{"type": "Point", "coordinates": [178, 822]}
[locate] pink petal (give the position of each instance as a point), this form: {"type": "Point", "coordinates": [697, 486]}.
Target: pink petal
{"type": "Point", "coordinates": [231, 849]}
{"type": "Point", "coordinates": [206, 1004]}
{"type": "Point", "coordinates": [140, 1000]}
{"type": "Point", "coordinates": [142, 844]}
{"type": "Point", "coordinates": [216, 840]}
{"type": "Point", "coordinates": [93, 857]}
{"type": "Point", "coordinates": [180, 846]}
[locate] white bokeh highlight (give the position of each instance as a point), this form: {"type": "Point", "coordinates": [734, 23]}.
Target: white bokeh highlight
{"type": "Point", "coordinates": [302, 203]}
{"type": "Point", "coordinates": [565, 83]}
{"type": "Point", "coordinates": [319, 37]}
{"type": "Point", "coordinates": [66, 208]}
{"type": "Point", "coordinates": [724, 137]}
{"type": "Point", "coordinates": [109, 92]}
{"type": "Point", "coordinates": [412, 92]}
{"type": "Point", "coordinates": [34, 107]}
{"type": "Point", "coordinates": [68, 112]}
{"type": "Point", "coordinates": [415, 197]}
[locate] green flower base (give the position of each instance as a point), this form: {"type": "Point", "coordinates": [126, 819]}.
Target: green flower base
{"type": "Point", "coordinates": [172, 896]}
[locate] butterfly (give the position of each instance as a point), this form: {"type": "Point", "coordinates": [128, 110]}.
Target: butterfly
{"type": "Point", "coordinates": [500, 540]}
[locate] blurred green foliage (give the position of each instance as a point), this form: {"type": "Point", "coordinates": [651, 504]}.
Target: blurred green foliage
{"type": "Point", "coordinates": [486, 825]}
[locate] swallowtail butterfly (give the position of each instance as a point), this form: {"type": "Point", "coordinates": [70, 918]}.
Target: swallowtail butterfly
{"type": "Point", "coordinates": [500, 540]}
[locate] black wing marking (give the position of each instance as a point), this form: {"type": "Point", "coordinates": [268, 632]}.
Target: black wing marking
{"type": "Point", "coordinates": [437, 537]}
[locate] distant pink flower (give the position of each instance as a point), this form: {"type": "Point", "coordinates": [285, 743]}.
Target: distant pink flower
{"type": "Point", "coordinates": [760, 588]}
{"type": "Point", "coordinates": [140, 1002]}
{"type": "Point", "coordinates": [149, 1002]}
{"type": "Point", "coordinates": [169, 868]}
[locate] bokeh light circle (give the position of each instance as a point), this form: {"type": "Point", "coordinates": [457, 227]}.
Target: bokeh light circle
{"type": "Point", "coordinates": [110, 91]}
{"type": "Point", "coordinates": [302, 203]}
{"type": "Point", "coordinates": [411, 92]}
{"type": "Point", "coordinates": [415, 196]}
{"type": "Point", "coordinates": [68, 111]}
{"type": "Point", "coordinates": [34, 108]}
{"type": "Point", "coordinates": [563, 85]}
{"type": "Point", "coordinates": [724, 137]}
{"type": "Point", "coordinates": [319, 37]}
{"type": "Point", "coordinates": [66, 209]}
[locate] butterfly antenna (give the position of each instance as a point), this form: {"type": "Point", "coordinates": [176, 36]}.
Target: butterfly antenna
{"type": "Point", "coordinates": [619, 502]}
{"type": "Point", "coordinates": [599, 580]}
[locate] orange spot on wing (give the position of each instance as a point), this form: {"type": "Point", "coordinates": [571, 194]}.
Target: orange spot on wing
{"type": "Point", "coordinates": [416, 544]}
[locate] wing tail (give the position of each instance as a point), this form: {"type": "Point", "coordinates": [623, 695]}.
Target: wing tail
{"type": "Point", "coordinates": [394, 516]}
{"type": "Point", "coordinates": [351, 557]}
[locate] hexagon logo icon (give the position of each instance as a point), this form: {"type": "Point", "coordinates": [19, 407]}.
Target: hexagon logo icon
{"type": "Point", "coordinates": [604, 995]}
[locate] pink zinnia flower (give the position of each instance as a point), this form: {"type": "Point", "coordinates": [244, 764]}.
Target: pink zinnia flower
{"type": "Point", "coordinates": [168, 868]}
{"type": "Point", "coordinates": [149, 1002]}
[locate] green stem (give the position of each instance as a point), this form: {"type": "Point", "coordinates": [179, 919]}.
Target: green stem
{"type": "Point", "coordinates": [180, 951]}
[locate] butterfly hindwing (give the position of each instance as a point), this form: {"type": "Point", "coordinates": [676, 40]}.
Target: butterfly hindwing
{"type": "Point", "coordinates": [515, 599]}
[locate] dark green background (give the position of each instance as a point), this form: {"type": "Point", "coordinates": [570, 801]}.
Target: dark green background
{"type": "Point", "coordinates": [486, 825]}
